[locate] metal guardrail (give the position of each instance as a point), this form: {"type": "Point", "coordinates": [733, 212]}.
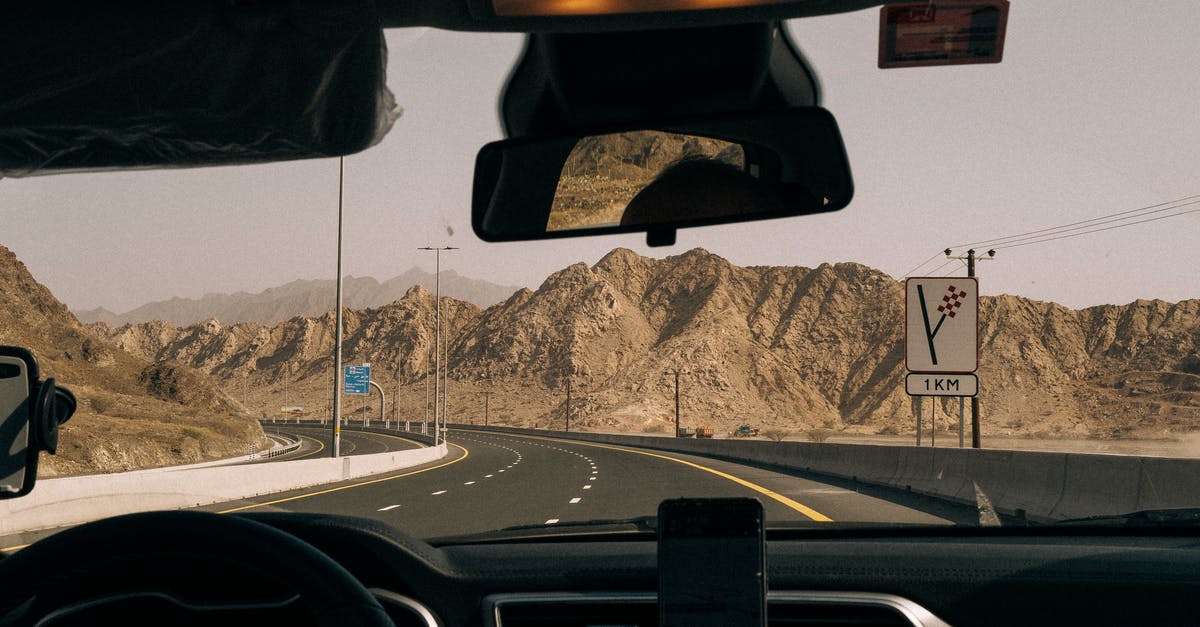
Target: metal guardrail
{"type": "Point", "coordinates": [409, 429]}
{"type": "Point", "coordinates": [276, 451]}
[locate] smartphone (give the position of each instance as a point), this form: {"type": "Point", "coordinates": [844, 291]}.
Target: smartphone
{"type": "Point", "coordinates": [711, 563]}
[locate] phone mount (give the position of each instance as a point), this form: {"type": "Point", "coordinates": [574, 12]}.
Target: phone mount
{"type": "Point", "coordinates": [31, 411]}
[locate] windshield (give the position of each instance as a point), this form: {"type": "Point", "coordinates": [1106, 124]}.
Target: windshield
{"type": "Point", "coordinates": [191, 311]}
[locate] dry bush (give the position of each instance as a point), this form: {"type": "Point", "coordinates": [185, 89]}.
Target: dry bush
{"type": "Point", "coordinates": [819, 435]}
{"type": "Point", "coordinates": [100, 405]}
{"type": "Point", "coordinates": [777, 435]}
{"type": "Point", "coordinates": [654, 428]}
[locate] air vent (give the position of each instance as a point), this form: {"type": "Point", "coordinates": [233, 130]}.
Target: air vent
{"type": "Point", "coordinates": [784, 609]}
{"type": "Point", "coordinates": [403, 611]}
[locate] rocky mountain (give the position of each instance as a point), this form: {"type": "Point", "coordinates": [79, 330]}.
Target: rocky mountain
{"type": "Point", "coordinates": [604, 172]}
{"type": "Point", "coordinates": [785, 347]}
{"type": "Point", "coordinates": [300, 298]}
{"type": "Point", "coordinates": [132, 412]}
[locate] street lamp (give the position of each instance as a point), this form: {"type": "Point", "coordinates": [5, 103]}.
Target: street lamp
{"type": "Point", "coordinates": [437, 336]}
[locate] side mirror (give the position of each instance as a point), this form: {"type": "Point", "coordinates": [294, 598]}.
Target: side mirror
{"type": "Point", "coordinates": [662, 177]}
{"type": "Point", "coordinates": [30, 412]}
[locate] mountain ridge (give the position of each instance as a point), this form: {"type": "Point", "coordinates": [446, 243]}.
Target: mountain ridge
{"type": "Point", "coordinates": [780, 346]}
{"type": "Point", "coordinates": [300, 297]}
{"type": "Point", "coordinates": [133, 412]}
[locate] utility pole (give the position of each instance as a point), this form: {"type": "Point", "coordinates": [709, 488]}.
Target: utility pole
{"type": "Point", "coordinates": [568, 408]}
{"type": "Point", "coordinates": [437, 334]}
{"type": "Point", "coordinates": [487, 390]}
{"type": "Point", "coordinates": [677, 372]}
{"type": "Point", "coordinates": [971, 259]}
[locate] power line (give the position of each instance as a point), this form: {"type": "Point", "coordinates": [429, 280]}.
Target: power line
{"type": "Point", "coordinates": [918, 266]}
{"type": "Point", "coordinates": [934, 271]}
{"type": "Point", "coordinates": [1107, 228]}
{"type": "Point", "coordinates": [1104, 219]}
{"type": "Point", "coordinates": [1007, 241]}
{"type": "Point", "coordinates": [949, 272]}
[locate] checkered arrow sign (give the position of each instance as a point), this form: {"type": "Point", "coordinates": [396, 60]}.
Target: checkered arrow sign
{"type": "Point", "coordinates": [942, 320]}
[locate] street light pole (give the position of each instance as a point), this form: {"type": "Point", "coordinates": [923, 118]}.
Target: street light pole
{"type": "Point", "coordinates": [437, 334]}
{"type": "Point", "coordinates": [337, 341]}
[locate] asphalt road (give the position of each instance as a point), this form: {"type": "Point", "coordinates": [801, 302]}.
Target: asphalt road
{"type": "Point", "coordinates": [492, 481]}
{"type": "Point", "coordinates": [314, 441]}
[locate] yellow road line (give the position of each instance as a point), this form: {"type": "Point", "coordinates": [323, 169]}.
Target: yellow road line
{"type": "Point", "coordinates": [799, 507]}
{"type": "Point", "coordinates": [465, 453]}
{"type": "Point", "coordinates": [10, 549]}
{"type": "Point", "coordinates": [311, 453]}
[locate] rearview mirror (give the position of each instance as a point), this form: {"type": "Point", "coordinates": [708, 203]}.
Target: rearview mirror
{"type": "Point", "coordinates": [30, 413]}
{"type": "Point", "coordinates": [659, 179]}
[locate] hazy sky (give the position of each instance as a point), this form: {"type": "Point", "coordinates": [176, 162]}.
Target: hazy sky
{"type": "Point", "coordinates": [1093, 111]}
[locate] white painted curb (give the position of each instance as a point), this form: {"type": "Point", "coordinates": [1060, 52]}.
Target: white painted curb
{"type": "Point", "coordinates": [74, 500]}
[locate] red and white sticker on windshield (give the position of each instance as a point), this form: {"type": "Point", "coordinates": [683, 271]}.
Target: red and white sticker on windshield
{"type": "Point", "coordinates": [942, 33]}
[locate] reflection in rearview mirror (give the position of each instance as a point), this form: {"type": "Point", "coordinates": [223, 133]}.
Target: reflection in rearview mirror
{"type": "Point", "coordinates": [604, 173]}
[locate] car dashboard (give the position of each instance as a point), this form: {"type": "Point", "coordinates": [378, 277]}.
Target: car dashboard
{"type": "Point", "coordinates": [839, 577]}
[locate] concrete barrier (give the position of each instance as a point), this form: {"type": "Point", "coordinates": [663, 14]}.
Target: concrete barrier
{"type": "Point", "coordinates": [1039, 485]}
{"type": "Point", "coordinates": [73, 500]}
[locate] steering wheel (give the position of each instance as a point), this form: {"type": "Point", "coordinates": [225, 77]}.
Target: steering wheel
{"type": "Point", "coordinates": [158, 548]}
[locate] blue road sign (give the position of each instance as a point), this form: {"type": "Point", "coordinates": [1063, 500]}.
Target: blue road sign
{"type": "Point", "coordinates": [357, 380]}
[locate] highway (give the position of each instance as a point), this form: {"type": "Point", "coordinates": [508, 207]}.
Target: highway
{"type": "Point", "coordinates": [314, 441]}
{"type": "Point", "coordinates": [492, 481]}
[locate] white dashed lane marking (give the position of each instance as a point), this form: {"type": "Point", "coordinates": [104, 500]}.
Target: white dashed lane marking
{"type": "Point", "coordinates": [438, 492]}
{"type": "Point", "coordinates": [592, 468]}
{"type": "Point", "coordinates": [384, 509]}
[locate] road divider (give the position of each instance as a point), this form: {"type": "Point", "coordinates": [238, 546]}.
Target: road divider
{"type": "Point", "coordinates": [73, 500]}
{"type": "Point", "coordinates": [1041, 486]}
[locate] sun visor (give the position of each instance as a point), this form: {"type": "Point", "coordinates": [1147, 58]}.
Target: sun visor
{"type": "Point", "coordinates": [122, 85]}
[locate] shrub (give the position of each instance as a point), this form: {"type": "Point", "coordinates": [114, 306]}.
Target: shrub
{"type": "Point", "coordinates": [655, 427]}
{"type": "Point", "coordinates": [100, 405]}
{"type": "Point", "coordinates": [189, 432]}
{"type": "Point", "coordinates": [819, 435]}
{"type": "Point", "coordinates": [777, 435]}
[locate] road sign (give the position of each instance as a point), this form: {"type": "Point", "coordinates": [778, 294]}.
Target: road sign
{"type": "Point", "coordinates": [942, 325]}
{"type": "Point", "coordinates": [357, 380]}
{"type": "Point", "coordinates": [921, 384]}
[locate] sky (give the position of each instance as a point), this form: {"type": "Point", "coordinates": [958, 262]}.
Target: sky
{"type": "Point", "coordinates": [1093, 111]}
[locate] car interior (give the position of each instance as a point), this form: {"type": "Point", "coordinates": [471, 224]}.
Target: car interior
{"type": "Point", "coordinates": [193, 83]}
